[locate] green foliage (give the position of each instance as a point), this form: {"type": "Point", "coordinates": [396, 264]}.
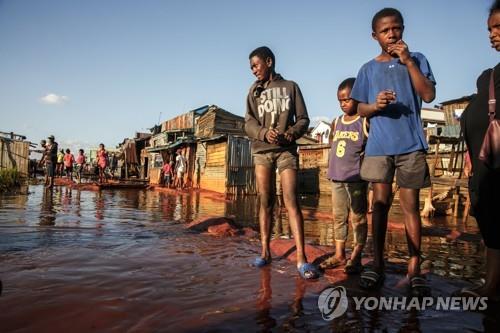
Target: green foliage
{"type": "Point", "coordinates": [9, 178]}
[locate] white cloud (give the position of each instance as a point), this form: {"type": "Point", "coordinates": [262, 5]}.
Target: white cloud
{"type": "Point", "coordinates": [54, 99]}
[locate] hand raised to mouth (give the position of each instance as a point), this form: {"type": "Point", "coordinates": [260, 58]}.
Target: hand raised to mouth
{"type": "Point", "coordinates": [399, 50]}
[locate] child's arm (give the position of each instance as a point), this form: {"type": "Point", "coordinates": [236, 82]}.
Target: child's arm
{"type": "Point", "coordinates": [423, 86]}
{"type": "Point", "coordinates": [384, 98]}
{"type": "Point", "coordinates": [301, 117]}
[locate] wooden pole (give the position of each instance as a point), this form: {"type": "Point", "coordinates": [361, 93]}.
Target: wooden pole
{"type": "Point", "coordinates": [126, 165]}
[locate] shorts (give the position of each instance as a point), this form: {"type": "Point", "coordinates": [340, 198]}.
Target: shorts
{"type": "Point", "coordinates": [411, 170]}
{"type": "Point", "coordinates": [180, 173]}
{"type": "Point", "coordinates": [349, 202]}
{"type": "Point", "coordinates": [69, 169]}
{"type": "Point", "coordinates": [285, 159]}
{"type": "Point", "coordinates": [50, 169]}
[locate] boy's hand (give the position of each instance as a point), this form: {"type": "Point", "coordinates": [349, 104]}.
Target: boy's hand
{"type": "Point", "coordinates": [385, 98]}
{"type": "Point", "coordinates": [272, 135]}
{"type": "Point", "coordinates": [289, 137]}
{"type": "Point", "coordinates": [400, 49]}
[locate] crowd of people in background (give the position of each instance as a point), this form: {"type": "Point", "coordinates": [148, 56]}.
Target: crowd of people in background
{"type": "Point", "coordinates": [62, 163]}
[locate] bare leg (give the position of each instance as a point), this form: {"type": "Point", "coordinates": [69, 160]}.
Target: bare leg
{"type": "Point", "coordinates": [356, 253]}
{"type": "Point", "coordinates": [51, 182]}
{"type": "Point", "coordinates": [340, 250]}
{"type": "Point", "coordinates": [409, 201]}
{"type": "Point", "coordinates": [289, 185]}
{"type": "Point", "coordinates": [267, 196]}
{"type": "Point", "coordinates": [491, 288]}
{"type": "Point", "coordinates": [370, 201]}
{"type": "Point", "coordinates": [381, 205]}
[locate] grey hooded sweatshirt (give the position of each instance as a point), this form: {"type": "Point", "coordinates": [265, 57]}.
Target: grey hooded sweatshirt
{"type": "Point", "coordinates": [278, 105]}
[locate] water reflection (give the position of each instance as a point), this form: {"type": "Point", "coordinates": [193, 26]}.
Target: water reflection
{"type": "Point", "coordinates": [124, 257]}
{"type": "Point", "coordinates": [47, 211]}
{"type": "Point", "coordinates": [263, 318]}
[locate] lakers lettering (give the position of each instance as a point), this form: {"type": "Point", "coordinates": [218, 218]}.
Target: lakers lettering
{"type": "Point", "coordinates": [349, 135]}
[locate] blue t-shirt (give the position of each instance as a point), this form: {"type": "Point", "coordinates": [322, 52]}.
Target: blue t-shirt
{"type": "Point", "coordinates": [397, 129]}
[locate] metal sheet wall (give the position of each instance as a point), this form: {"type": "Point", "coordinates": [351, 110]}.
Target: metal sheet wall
{"type": "Point", "coordinates": [240, 168]}
{"type": "Point", "coordinates": [183, 122]}
{"type": "Point", "coordinates": [14, 154]}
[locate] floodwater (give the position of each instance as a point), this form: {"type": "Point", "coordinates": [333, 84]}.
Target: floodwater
{"type": "Point", "coordinates": [122, 261]}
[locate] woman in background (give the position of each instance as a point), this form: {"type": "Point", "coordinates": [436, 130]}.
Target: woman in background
{"type": "Point", "coordinates": [485, 181]}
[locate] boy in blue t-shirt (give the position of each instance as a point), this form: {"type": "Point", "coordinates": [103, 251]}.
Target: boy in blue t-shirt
{"type": "Point", "coordinates": [390, 90]}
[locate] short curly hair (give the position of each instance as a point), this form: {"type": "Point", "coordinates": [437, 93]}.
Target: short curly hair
{"type": "Point", "coordinates": [263, 53]}
{"type": "Point", "coordinates": [495, 7]}
{"type": "Point", "coordinates": [385, 13]}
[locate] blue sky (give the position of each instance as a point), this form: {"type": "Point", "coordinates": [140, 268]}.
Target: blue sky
{"type": "Point", "coordinates": [97, 71]}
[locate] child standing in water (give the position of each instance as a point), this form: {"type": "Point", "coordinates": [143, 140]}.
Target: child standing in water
{"type": "Point", "coordinates": [349, 198]}
{"type": "Point", "coordinates": [276, 117]}
{"type": "Point", "coordinates": [167, 174]}
{"type": "Point", "coordinates": [80, 164]}
{"type": "Point", "coordinates": [390, 90]}
{"type": "Point", "coordinates": [60, 163]}
{"type": "Point", "coordinates": [102, 162]}
{"type": "Point", "coordinates": [69, 159]}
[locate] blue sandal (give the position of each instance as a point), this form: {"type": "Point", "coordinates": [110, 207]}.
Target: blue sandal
{"type": "Point", "coordinates": [309, 271]}
{"type": "Point", "coordinates": [261, 262]}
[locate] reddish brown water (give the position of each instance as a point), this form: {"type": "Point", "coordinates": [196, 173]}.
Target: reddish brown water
{"type": "Point", "coordinates": [122, 261]}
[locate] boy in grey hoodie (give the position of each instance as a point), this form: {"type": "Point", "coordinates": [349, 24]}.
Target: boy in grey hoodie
{"type": "Point", "coordinates": [276, 116]}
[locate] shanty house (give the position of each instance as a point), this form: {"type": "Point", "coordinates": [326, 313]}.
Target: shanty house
{"type": "Point", "coordinates": [14, 153]}
{"type": "Point", "coordinates": [223, 157]}
{"type": "Point", "coordinates": [176, 133]}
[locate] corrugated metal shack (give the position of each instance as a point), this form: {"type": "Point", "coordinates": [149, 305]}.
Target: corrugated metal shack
{"type": "Point", "coordinates": [453, 109]}
{"type": "Point", "coordinates": [224, 164]}
{"type": "Point", "coordinates": [223, 160]}
{"type": "Point", "coordinates": [176, 133]}
{"type": "Point", "coordinates": [14, 153]}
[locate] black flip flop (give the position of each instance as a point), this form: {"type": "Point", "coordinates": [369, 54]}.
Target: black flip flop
{"type": "Point", "coordinates": [370, 279]}
{"type": "Point", "coordinates": [419, 287]}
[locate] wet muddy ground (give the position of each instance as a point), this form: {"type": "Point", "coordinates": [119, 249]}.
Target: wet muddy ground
{"type": "Point", "coordinates": [123, 261]}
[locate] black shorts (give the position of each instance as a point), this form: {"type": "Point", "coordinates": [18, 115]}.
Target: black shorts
{"type": "Point", "coordinates": [411, 170]}
{"type": "Point", "coordinates": [50, 169]}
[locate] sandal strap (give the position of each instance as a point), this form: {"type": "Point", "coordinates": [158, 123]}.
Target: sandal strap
{"type": "Point", "coordinates": [308, 269]}
{"type": "Point", "coordinates": [469, 292]}
{"type": "Point", "coordinates": [417, 280]}
{"type": "Point", "coordinates": [370, 275]}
